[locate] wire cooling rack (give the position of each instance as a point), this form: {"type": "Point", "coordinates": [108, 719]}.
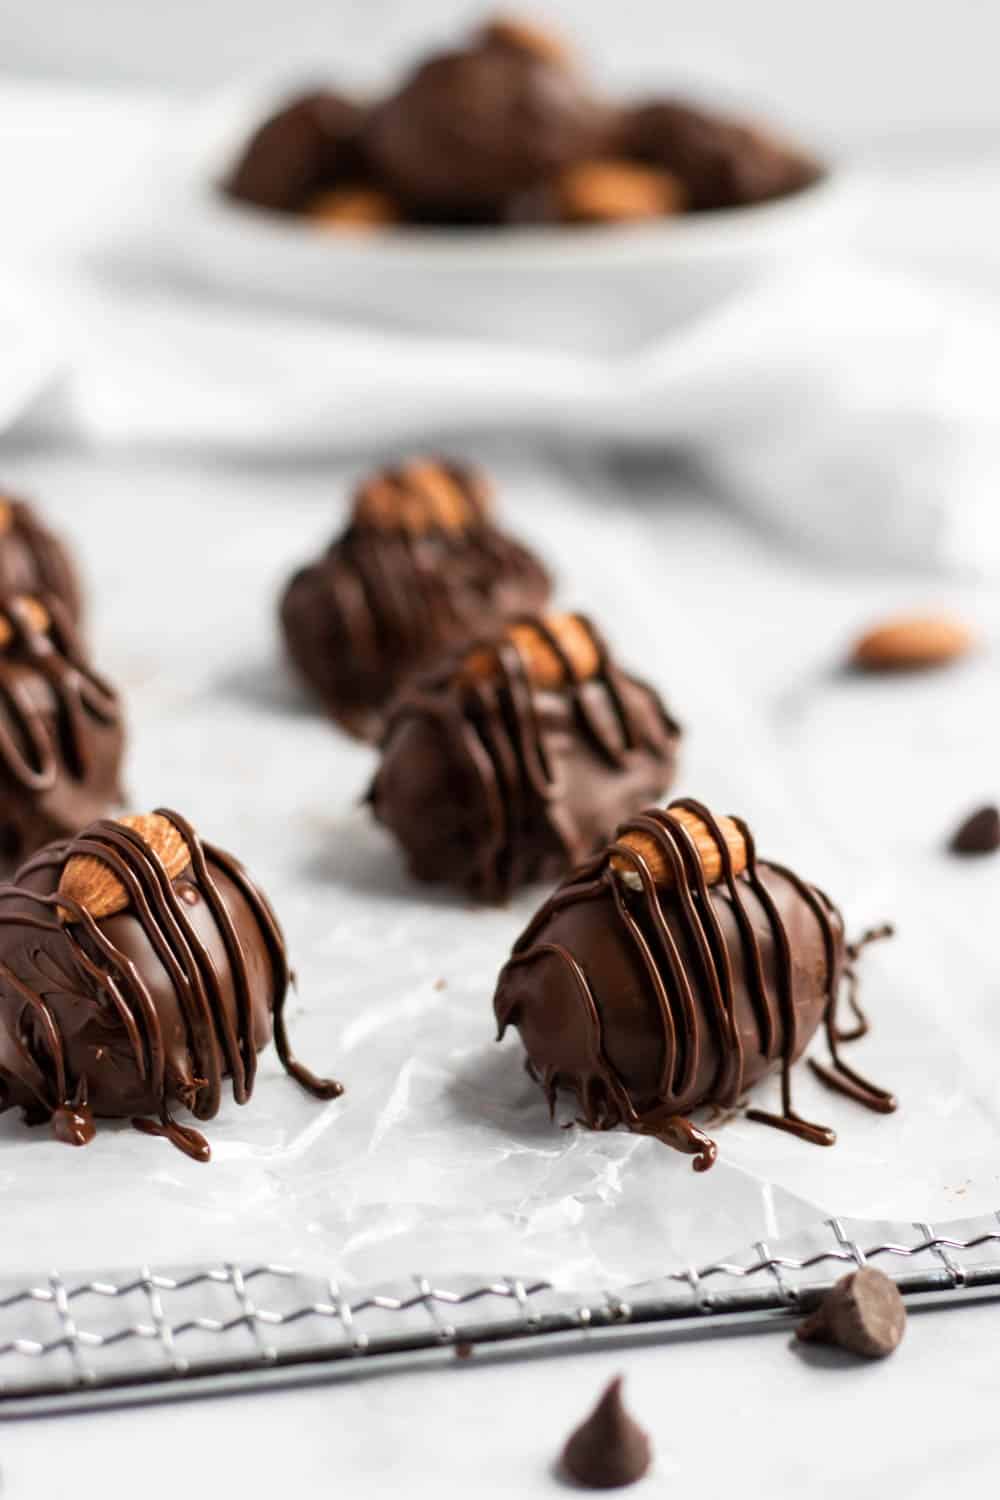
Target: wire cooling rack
{"type": "Point", "coordinates": [69, 1340]}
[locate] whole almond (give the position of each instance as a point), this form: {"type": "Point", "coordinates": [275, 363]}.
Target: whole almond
{"type": "Point", "coordinates": [545, 667]}
{"type": "Point", "coordinates": [444, 504]}
{"type": "Point", "coordinates": [89, 880]}
{"type": "Point", "coordinates": [422, 495]}
{"type": "Point", "coordinates": [911, 642]}
{"type": "Point", "coordinates": [520, 35]}
{"type": "Point", "coordinates": [705, 844]}
{"type": "Point", "coordinates": [608, 192]}
{"type": "Point", "coordinates": [352, 208]}
{"type": "Point", "coordinates": [34, 613]}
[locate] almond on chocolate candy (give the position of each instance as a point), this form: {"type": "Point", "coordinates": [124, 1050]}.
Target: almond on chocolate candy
{"type": "Point", "coordinates": [139, 969]}
{"type": "Point", "coordinates": [420, 568]}
{"type": "Point", "coordinates": [515, 757]}
{"type": "Point", "coordinates": [676, 969]}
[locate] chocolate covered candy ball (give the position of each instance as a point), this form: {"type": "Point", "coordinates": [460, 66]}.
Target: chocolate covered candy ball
{"type": "Point", "coordinates": [675, 970]}
{"type": "Point", "coordinates": [139, 970]}
{"type": "Point", "coordinates": [312, 143]}
{"type": "Point", "coordinates": [419, 567]}
{"type": "Point", "coordinates": [470, 128]}
{"type": "Point", "coordinates": [517, 758]}
{"type": "Point", "coordinates": [62, 734]}
{"type": "Point", "coordinates": [721, 162]}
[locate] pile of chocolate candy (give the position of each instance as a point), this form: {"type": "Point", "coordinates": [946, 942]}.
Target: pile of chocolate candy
{"type": "Point", "coordinates": [672, 968]}
{"type": "Point", "coordinates": [506, 130]}
{"type": "Point", "coordinates": [140, 968]}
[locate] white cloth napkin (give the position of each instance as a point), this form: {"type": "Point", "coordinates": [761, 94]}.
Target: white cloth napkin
{"type": "Point", "coordinates": [850, 409]}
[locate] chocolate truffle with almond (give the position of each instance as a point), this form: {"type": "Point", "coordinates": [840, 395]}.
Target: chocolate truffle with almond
{"type": "Point", "coordinates": [721, 162]}
{"type": "Point", "coordinates": [516, 758]}
{"type": "Point", "coordinates": [420, 567]}
{"type": "Point", "coordinates": [62, 735]}
{"type": "Point", "coordinates": [34, 561]}
{"type": "Point", "coordinates": [312, 145]}
{"type": "Point", "coordinates": [472, 127]}
{"type": "Point", "coordinates": [140, 969]}
{"type": "Point", "coordinates": [675, 970]}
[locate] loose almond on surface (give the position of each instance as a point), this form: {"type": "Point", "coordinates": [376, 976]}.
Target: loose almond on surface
{"type": "Point", "coordinates": [912, 642]}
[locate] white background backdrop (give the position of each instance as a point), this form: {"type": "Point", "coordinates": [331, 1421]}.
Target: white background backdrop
{"type": "Point", "coordinates": [857, 69]}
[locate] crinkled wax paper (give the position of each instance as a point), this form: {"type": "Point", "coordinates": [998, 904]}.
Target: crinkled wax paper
{"type": "Point", "coordinates": [441, 1156]}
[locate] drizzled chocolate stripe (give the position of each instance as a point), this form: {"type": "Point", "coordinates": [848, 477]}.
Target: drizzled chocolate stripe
{"type": "Point", "coordinates": [408, 592]}
{"type": "Point", "coordinates": [496, 723]}
{"type": "Point", "coordinates": [31, 754]}
{"type": "Point", "coordinates": [43, 566]}
{"type": "Point", "coordinates": [216, 1042]}
{"type": "Point", "coordinates": [419, 567]}
{"type": "Point", "coordinates": [408, 581]}
{"type": "Point", "coordinates": [694, 999]}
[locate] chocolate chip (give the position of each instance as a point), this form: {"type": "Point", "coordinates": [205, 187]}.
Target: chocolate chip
{"type": "Point", "coordinates": [979, 834]}
{"type": "Point", "coordinates": [863, 1313]}
{"type": "Point", "coordinates": [609, 1449]}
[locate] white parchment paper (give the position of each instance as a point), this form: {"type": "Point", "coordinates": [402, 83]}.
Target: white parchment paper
{"type": "Point", "coordinates": [441, 1156]}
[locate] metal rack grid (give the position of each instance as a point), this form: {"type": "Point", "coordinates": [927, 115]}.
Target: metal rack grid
{"type": "Point", "coordinates": [68, 1340]}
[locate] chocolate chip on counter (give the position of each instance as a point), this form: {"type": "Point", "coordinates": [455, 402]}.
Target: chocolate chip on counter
{"type": "Point", "coordinates": [610, 1449]}
{"type": "Point", "coordinates": [863, 1313]}
{"type": "Point", "coordinates": [979, 833]}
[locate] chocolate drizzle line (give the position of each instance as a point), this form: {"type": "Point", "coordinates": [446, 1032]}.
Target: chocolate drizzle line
{"type": "Point", "coordinates": [683, 1019]}
{"type": "Point", "coordinates": [47, 553]}
{"type": "Point", "coordinates": [407, 590]}
{"type": "Point", "coordinates": [214, 1044]}
{"type": "Point", "coordinates": [496, 722]}
{"type": "Point", "coordinates": [31, 755]}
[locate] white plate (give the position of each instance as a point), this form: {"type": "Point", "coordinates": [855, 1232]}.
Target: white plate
{"type": "Point", "coordinates": [598, 289]}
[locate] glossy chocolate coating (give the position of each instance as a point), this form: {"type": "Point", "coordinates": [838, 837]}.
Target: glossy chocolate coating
{"type": "Point", "coordinates": [470, 128]}
{"type": "Point", "coordinates": [723, 163]}
{"type": "Point", "coordinates": [386, 598]}
{"type": "Point", "coordinates": [609, 1450]}
{"type": "Point", "coordinates": [62, 735]}
{"type": "Point", "coordinates": [145, 1009]}
{"type": "Point", "coordinates": [312, 143]}
{"type": "Point", "coordinates": [490, 785]}
{"type": "Point", "coordinates": [649, 1003]}
{"type": "Point", "coordinates": [33, 561]}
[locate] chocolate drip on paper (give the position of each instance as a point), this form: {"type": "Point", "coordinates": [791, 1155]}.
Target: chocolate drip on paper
{"type": "Point", "coordinates": [81, 954]}
{"type": "Point", "coordinates": [714, 995]}
{"type": "Point", "coordinates": [535, 798]}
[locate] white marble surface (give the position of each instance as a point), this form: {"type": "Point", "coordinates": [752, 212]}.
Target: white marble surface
{"type": "Point", "coordinates": [858, 784]}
